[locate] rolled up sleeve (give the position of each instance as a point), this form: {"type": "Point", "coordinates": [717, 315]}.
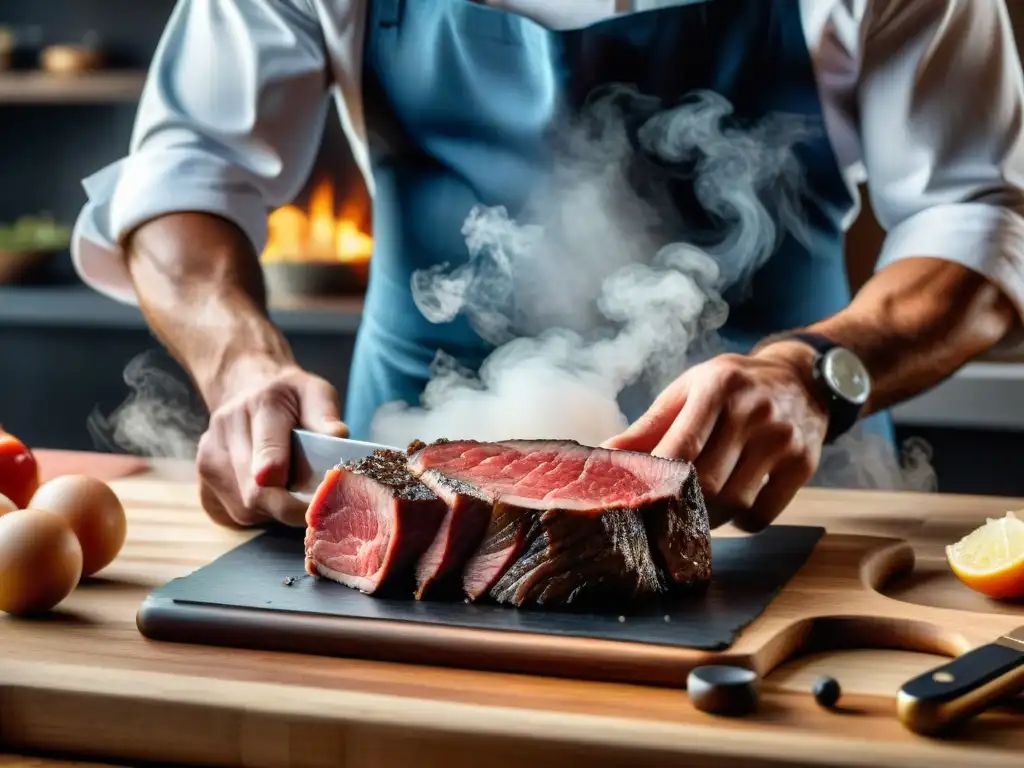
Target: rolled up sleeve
{"type": "Point", "coordinates": [229, 123]}
{"type": "Point", "coordinates": [940, 101]}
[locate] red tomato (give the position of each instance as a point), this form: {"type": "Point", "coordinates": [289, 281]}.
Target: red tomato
{"type": "Point", "coordinates": [19, 473]}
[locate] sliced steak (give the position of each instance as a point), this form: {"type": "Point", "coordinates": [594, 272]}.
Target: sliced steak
{"type": "Point", "coordinates": [571, 523]}
{"type": "Point", "coordinates": [465, 521]}
{"type": "Point", "coordinates": [370, 522]}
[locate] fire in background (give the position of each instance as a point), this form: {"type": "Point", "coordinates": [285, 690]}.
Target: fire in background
{"type": "Point", "coordinates": [323, 234]}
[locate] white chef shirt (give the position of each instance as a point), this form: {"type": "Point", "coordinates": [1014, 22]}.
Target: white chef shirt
{"type": "Point", "coordinates": [922, 100]}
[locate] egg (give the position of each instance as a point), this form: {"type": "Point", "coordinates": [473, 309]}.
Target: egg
{"type": "Point", "coordinates": [93, 511]}
{"type": "Point", "coordinates": [6, 505]}
{"type": "Point", "coordinates": [40, 561]}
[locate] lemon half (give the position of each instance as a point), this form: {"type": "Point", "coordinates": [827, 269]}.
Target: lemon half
{"type": "Point", "coordinates": [990, 559]}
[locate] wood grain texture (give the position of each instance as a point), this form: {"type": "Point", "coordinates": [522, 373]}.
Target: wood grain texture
{"type": "Point", "coordinates": [258, 596]}
{"type": "Point", "coordinates": [245, 605]}
{"type": "Point", "coordinates": [86, 683]}
{"type": "Point", "coordinates": [24, 761]}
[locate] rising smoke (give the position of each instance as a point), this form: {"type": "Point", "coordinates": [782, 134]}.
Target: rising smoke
{"type": "Point", "coordinates": [599, 289]}
{"type": "Point", "coordinates": [602, 287]}
{"type": "Point", "coordinates": [158, 419]}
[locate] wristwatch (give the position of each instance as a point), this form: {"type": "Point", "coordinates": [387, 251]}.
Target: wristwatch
{"type": "Point", "coordinates": [842, 379]}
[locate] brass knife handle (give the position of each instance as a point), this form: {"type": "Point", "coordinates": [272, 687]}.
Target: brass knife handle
{"type": "Point", "coordinates": [963, 688]}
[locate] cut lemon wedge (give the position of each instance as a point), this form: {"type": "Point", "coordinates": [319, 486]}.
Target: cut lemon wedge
{"type": "Point", "coordinates": [990, 559]}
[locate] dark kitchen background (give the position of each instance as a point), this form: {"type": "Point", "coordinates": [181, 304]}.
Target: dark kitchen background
{"type": "Point", "coordinates": [64, 349]}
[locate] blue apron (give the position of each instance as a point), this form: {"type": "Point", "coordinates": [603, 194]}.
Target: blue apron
{"type": "Point", "coordinates": [459, 101]}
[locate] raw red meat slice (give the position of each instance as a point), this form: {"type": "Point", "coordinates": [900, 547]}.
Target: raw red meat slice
{"type": "Point", "coordinates": [570, 523]}
{"type": "Point", "coordinates": [458, 536]}
{"type": "Point", "coordinates": [369, 523]}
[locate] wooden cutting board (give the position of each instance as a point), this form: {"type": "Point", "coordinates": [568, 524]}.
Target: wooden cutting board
{"type": "Point", "coordinates": [755, 614]}
{"type": "Point", "coordinates": [259, 596]}
{"type": "Point", "coordinates": [86, 682]}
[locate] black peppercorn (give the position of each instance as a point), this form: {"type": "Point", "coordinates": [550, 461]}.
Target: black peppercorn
{"type": "Point", "coordinates": [826, 691]}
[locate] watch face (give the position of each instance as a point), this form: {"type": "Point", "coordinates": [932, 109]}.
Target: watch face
{"type": "Point", "coordinates": [846, 375]}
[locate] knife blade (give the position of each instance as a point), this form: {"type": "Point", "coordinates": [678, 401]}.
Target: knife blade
{"type": "Point", "coordinates": [313, 454]}
{"type": "Point", "coordinates": [964, 687]}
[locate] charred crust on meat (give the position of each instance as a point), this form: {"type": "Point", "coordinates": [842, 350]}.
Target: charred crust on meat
{"type": "Point", "coordinates": [418, 445]}
{"type": "Point", "coordinates": [614, 551]}
{"type": "Point", "coordinates": [389, 468]}
{"type": "Point", "coordinates": [454, 486]}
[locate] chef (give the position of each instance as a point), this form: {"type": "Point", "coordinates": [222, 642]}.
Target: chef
{"type": "Point", "coordinates": [446, 104]}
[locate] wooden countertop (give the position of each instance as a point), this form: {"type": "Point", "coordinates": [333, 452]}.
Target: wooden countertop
{"type": "Point", "coordinates": [85, 682]}
{"type": "Point", "coordinates": [24, 761]}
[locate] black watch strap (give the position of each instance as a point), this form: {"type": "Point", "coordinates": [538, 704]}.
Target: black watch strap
{"type": "Point", "coordinates": [843, 414]}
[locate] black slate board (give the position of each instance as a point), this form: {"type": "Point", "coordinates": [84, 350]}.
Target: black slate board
{"type": "Point", "coordinates": [267, 574]}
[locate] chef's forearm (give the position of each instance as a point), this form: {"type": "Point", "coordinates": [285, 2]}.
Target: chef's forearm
{"type": "Point", "coordinates": [200, 287]}
{"type": "Point", "coordinates": [918, 321]}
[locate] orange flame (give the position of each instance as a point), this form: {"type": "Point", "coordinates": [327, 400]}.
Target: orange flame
{"type": "Point", "coordinates": [320, 235]}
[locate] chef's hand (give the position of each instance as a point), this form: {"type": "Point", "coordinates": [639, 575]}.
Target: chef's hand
{"type": "Point", "coordinates": [750, 424]}
{"type": "Point", "coordinates": [243, 456]}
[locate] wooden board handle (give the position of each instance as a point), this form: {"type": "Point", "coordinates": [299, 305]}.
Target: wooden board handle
{"type": "Point", "coordinates": [960, 689]}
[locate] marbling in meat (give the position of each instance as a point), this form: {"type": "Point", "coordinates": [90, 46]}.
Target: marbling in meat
{"type": "Point", "coordinates": [370, 523]}
{"type": "Point", "coordinates": [524, 522]}
{"type": "Point", "coordinates": [468, 514]}
{"type": "Point", "coordinates": [571, 524]}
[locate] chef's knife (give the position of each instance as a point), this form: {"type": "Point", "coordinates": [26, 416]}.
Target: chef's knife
{"type": "Point", "coordinates": [964, 687]}
{"type": "Point", "coordinates": [313, 454]}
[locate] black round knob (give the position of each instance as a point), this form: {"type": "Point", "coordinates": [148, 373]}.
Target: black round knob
{"type": "Point", "coordinates": [723, 690]}
{"type": "Point", "coordinates": [826, 691]}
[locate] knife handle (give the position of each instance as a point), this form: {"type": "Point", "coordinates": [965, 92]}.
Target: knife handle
{"type": "Point", "coordinates": [966, 686]}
